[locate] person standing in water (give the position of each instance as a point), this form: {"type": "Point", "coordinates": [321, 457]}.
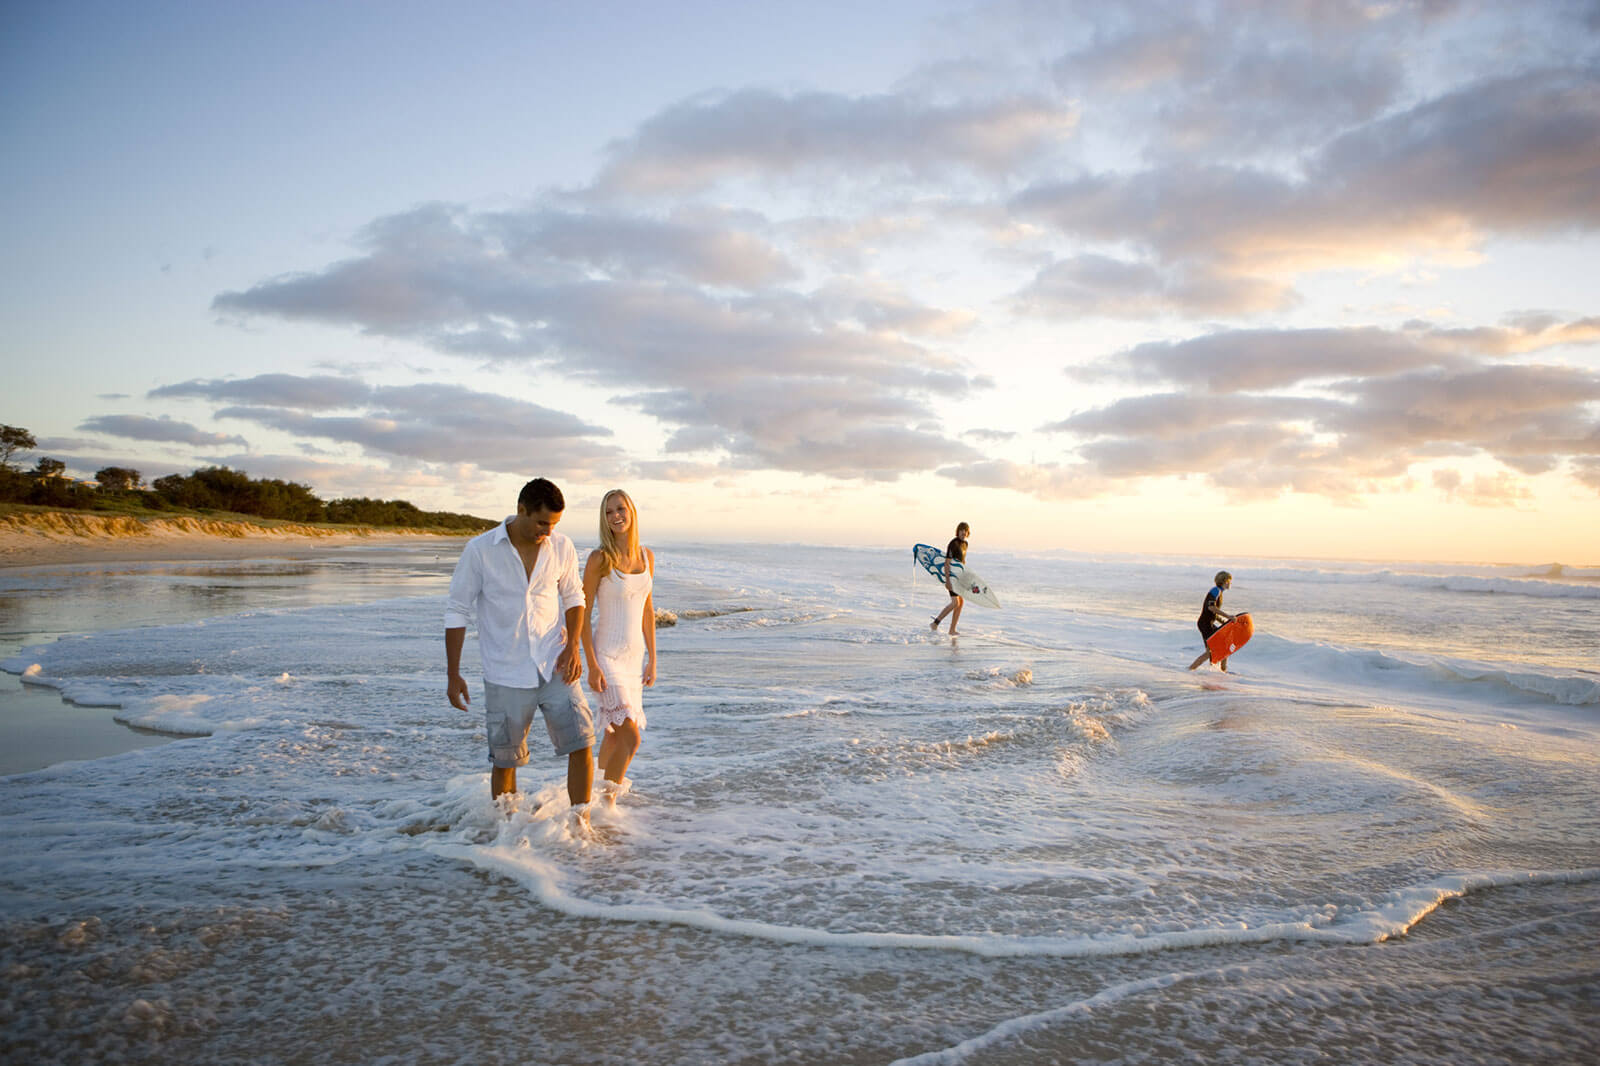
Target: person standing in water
{"type": "Point", "coordinates": [955, 552]}
{"type": "Point", "coordinates": [1212, 615]}
{"type": "Point", "coordinates": [619, 636]}
{"type": "Point", "coordinates": [520, 581]}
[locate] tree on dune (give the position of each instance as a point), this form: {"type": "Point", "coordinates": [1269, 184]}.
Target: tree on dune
{"type": "Point", "coordinates": [14, 439]}
{"type": "Point", "coordinates": [118, 479]}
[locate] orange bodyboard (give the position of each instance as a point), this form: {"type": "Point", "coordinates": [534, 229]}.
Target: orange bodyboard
{"type": "Point", "coordinates": [1231, 637]}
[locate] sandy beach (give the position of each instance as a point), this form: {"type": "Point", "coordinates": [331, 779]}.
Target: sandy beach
{"type": "Point", "coordinates": [65, 538]}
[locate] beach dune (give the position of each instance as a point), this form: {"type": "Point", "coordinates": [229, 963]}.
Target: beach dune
{"type": "Point", "coordinates": [49, 538]}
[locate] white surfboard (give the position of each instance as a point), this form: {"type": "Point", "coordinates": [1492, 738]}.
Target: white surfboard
{"type": "Point", "coordinates": [967, 583]}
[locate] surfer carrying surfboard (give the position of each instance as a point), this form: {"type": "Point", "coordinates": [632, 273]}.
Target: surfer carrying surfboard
{"type": "Point", "coordinates": [1212, 616]}
{"type": "Point", "coordinates": [956, 552]}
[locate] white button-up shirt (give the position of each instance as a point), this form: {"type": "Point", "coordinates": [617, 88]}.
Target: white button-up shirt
{"type": "Point", "coordinates": [521, 617]}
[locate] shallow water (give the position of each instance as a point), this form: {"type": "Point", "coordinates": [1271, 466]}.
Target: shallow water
{"type": "Point", "coordinates": [849, 840]}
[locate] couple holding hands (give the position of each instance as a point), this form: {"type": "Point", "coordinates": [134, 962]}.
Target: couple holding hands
{"type": "Point", "coordinates": [519, 582]}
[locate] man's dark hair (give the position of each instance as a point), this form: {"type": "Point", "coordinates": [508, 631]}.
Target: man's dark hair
{"type": "Point", "coordinates": [541, 493]}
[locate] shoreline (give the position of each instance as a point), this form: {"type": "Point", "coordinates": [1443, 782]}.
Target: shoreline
{"type": "Point", "coordinates": [60, 538]}
{"type": "Point", "coordinates": [40, 726]}
{"type": "Point", "coordinates": [43, 729]}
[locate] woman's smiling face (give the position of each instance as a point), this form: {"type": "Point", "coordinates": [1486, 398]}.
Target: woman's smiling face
{"type": "Point", "coordinates": [617, 516]}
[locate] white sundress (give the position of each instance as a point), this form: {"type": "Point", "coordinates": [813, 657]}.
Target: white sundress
{"type": "Point", "coordinates": [619, 645]}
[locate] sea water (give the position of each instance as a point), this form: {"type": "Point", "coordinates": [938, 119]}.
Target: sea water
{"type": "Point", "coordinates": [849, 839]}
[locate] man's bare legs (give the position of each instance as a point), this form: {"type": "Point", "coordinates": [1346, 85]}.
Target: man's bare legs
{"type": "Point", "coordinates": [953, 606]}
{"type": "Point", "coordinates": [580, 778]}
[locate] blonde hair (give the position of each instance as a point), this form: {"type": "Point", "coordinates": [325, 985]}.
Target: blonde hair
{"type": "Point", "coordinates": [614, 554]}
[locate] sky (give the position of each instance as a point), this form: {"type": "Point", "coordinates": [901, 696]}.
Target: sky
{"type": "Point", "coordinates": [1290, 278]}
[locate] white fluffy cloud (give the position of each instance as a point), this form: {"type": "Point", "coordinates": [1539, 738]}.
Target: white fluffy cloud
{"type": "Point", "coordinates": [756, 133]}
{"type": "Point", "coordinates": [165, 428]}
{"type": "Point", "coordinates": [728, 372]}
{"type": "Point", "coordinates": [1515, 155]}
{"type": "Point", "coordinates": [1340, 411]}
{"type": "Point", "coordinates": [721, 271]}
{"type": "Point", "coordinates": [432, 423]}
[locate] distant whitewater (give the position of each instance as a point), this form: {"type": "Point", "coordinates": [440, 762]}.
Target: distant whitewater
{"type": "Point", "coordinates": [849, 840]}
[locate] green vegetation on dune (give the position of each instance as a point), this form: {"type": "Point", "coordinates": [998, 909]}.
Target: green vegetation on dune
{"type": "Point", "coordinates": [213, 492]}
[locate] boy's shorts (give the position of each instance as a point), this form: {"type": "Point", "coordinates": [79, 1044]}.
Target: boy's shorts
{"type": "Point", "coordinates": [508, 714]}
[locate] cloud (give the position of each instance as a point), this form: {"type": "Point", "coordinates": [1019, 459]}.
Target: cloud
{"type": "Point", "coordinates": [1252, 360]}
{"type": "Point", "coordinates": [1499, 490]}
{"type": "Point", "coordinates": [756, 132]}
{"type": "Point", "coordinates": [811, 427]}
{"type": "Point", "coordinates": [1364, 406]}
{"type": "Point", "coordinates": [880, 307]}
{"type": "Point", "coordinates": [712, 247]}
{"type": "Point", "coordinates": [1517, 154]}
{"type": "Point", "coordinates": [165, 428]}
{"type": "Point", "coordinates": [1252, 78]}
{"type": "Point", "coordinates": [843, 243]}
{"type": "Point", "coordinates": [1117, 288]}
{"type": "Point", "coordinates": [679, 472]}
{"type": "Point", "coordinates": [309, 393]}
{"type": "Point", "coordinates": [1169, 416]}
{"type": "Point", "coordinates": [48, 445]}
{"type": "Point", "coordinates": [700, 358]}
{"type": "Point", "coordinates": [1586, 469]}
{"type": "Point", "coordinates": [450, 424]}
{"type": "Point", "coordinates": [1217, 450]}
{"type": "Point", "coordinates": [741, 268]}
{"type": "Point", "coordinates": [1049, 481]}
{"type": "Point", "coordinates": [1528, 417]}
{"type": "Point", "coordinates": [1513, 156]}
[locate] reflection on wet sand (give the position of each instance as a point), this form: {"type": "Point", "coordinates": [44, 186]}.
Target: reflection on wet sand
{"type": "Point", "coordinates": [41, 729]}
{"type": "Point", "coordinates": [41, 604]}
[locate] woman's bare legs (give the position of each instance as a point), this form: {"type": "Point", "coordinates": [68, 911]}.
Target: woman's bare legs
{"type": "Point", "coordinates": [617, 749]}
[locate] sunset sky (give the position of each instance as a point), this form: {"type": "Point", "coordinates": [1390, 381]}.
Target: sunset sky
{"type": "Point", "coordinates": [1268, 277]}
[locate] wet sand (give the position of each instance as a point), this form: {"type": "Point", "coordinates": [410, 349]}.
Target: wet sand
{"type": "Point", "coordinates": [53, 584]}
{"type": "Point", "coordinates": [41, 729]}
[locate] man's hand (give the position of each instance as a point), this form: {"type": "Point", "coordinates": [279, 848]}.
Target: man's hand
{"type": "Point", "coordinates": [570, 665]}
{"type": "Point", "coordinates": [456, 691]}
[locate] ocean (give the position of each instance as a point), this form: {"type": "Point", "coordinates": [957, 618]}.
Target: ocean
{"type": "Point", "coordinates": [849, 840]}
